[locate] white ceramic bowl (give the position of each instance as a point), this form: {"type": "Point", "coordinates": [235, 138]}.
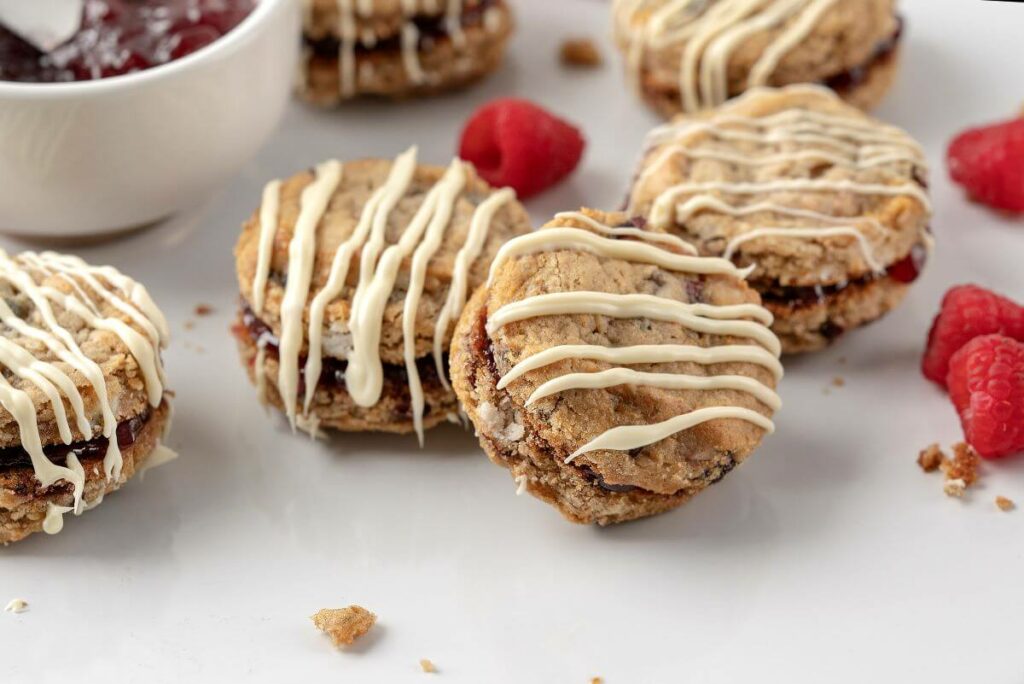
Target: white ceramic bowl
{"type": "Point", "coordinates": [94, 157]}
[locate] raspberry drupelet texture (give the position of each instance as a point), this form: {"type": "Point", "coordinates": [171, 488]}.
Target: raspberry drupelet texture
{"type": "Point", "coordinates": [989, 163]}
{"type": "Point", "coordinates": [986, 384]}
{"type": "Point", "coordinates": [968, 311]}
{"type": "Point", "coordinates": [514, 143]}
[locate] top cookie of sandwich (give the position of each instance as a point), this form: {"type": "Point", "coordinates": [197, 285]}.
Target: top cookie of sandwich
{"type": "Point", "coordinates": [612, 369]}
{"type": "Point", "coordinates": [370, 262]}
{"type": "Point", "coordinates": [82, 403]}
{"type": "Point", "coordinates": [694, 54]}
{"type": "Point", "coordinates": [369, 206]}
{"type": "Point", "coordinates": [793, 180]}
{"type": "Point", "coordinates": [81, 343]}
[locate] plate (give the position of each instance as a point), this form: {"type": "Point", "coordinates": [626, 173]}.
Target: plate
{"type": "Point", "coordinates": [828, 556]}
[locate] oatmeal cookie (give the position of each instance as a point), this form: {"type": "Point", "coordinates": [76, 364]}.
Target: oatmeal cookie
{"type": "Point", "coordinates": [829, 205]}
{"type": "Point", "coordinates": [82, 399]}
{"type": "Point", "coordinates": [615, 373]}
{"type": "Point", "coordinates": [395, 49]}
{"type": "Point", "coordinates": [689, 56]}
{"type": "Point", "coordinates": [352, 277]}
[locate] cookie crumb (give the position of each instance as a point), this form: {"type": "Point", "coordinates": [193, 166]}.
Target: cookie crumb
{"type": "Point", "coordinates": [931, 458]}
{"type": "Point", "coordinates": [16, 605]}
{"type": "Point", "coordinates": [1005, 504]}
{"type": "Point", "coordinates": [203, 309]}
{"type": "Point", "coordinates": [427, 666]}
{"type": "Point", "coordinates": [189, 325]}
{"type": "Point", "coordinates": [964, 465]}
{"type": "Point", "coordinates": [838, 381]}
{"type": "Point", "coordinates": [580, 52]}
{"type": "Point", "coordinates": [344, 625]}
{"type": "Point", "coordinates": [954, 488]}
{"type": "Point", "coordinates": [596, 680]}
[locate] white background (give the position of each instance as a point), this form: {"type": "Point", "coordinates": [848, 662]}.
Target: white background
{"type": "Point", "coordinates": [828, 556]}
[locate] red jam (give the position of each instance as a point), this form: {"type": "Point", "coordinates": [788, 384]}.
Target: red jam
{"type": "Point", "coordinates": [122, 36]}
{"type": "Point", "coordinates": [909, 268]}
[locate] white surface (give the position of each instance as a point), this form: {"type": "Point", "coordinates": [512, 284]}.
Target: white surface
{"type": "Point", "coordinates": [94, 157]}
{"type": "Point", "coordinates": [828, 556]}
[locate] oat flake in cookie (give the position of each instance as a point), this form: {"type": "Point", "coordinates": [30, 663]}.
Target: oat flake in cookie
{"type": "Point", "coordinates": [829, 205]}
{"type": "Point", "coordinates": [82, 399]}
{"type": "Point", "coordinates": [612, 371]}
{"type": "Point", "coordinates": [689, 55]}
{"type": "Point", "coordinates": [399, 48]}
{"type": "Point", "coordinates": [352, 277]}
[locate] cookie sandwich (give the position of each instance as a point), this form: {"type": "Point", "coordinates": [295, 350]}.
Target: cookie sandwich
{"type": "Point", "coordinates": [690, 55]}
{"type": "Point", "coordinates": [613, 371]}
{"type": "Point", "coordinates": [399, 48]}
{"type": "Point", "coordinates": [352, 276]}
{"type": "Point", "coordinates": [830, 206]}
{"type": "Point", "coordinates": [83, 405]}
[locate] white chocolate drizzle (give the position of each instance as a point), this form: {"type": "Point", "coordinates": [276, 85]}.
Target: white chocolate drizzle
{"type": "Point", "coordinates": [709, 34]}
{"type": "Point", "coordinates": [16, 605]}
{"type": "Point", "coordinates": [582, 240]}
{"type": "Point", "coordinates": [373, 216]}
{"type": "Point", "coordinates": [269, 209]}
{"type": "Point", "coordinates": [379, 268]}
{"type": "Point", "coordinates": [90, 285]}
{"type": "Point", "coordinates": [460, 275]}
{"type": "Point", "coordinates": [447, 191]}
{"type": "Point", "coordinates": [627, 231]}
{"type": "Point", "coordinates": [749, 321]}
{"type": "Point", "coordinates": [628, 376]}
{"type": "Point", "coordinates": [628, 437]}
{"type": "Point", "coordinates": [53, 522]}
{"type": "Point", "coordinates": [842, 139]}
{"type": "Point", "coordinates": [162, 455]}
{"type": "Point", "coordinates": [301, 252]}
{"type": "Point", "coordinates": [663, 209]}
{"type": "Point", "coordinates": [704, 318]}
{"type": "Point", "coordinates": [646, 353]}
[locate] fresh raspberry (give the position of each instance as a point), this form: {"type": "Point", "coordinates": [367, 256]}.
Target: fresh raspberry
{"type": "Point", "coordinates": [986, 384]}
{"type": "Point", "coordinates": [967, 312]}
{"type": "Point", "coordinates": [517, 144]}
{"type": "Point", "coordinates": [989, 163]}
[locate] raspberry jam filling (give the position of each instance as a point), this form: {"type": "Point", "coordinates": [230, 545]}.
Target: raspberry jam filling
{"type": "Point", "coordinates": [122, 36]}
{"type": "Point", "coordinates": [332, 373]}
{"type": "Point", "coordinates": [884, 51]}
{"type": "Point", "coordinates": [127, 432]}
{"type": "Point", "coordinates": [904, 271]}
{"type": "Point", "coordinates": [431, 29]}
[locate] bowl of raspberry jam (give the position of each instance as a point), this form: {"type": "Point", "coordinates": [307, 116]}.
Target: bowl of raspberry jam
{"type": "Point", "coordinates": [117, 37]}
{"type": "Point", "coordinates": [120, 113]}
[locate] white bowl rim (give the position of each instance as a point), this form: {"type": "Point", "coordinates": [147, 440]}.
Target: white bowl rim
{"type": "Point", "coordinates": [228, 42]}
